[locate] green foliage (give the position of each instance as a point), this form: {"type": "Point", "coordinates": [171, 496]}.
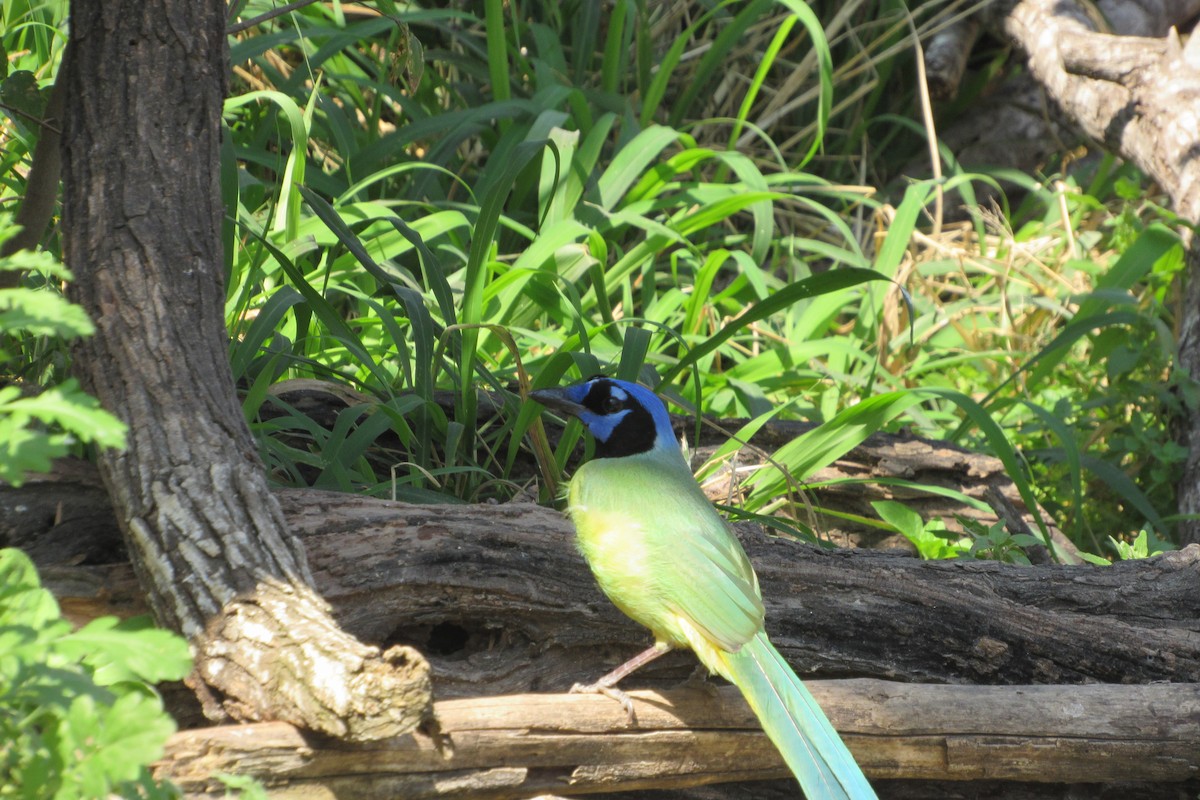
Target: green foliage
{"type": "Point", "coordinates": [428, 201]}
{"type": "Point", "coordinates": [32, 37]}
{"type": "Point", "coordinates": [1093, 400]}
{"type": "Point", "coordinates": [37, 428]}
{"type": "Point", "coordinates": [931, 539]}
{"type": "Point", "coordinates": [580, 232]}
{"type": "Point", "coordinates": [997, 543]}
{"type": "Point", "coordinates": [1144, 545]}
{"type": "Point", "coordinates": [78, 716]}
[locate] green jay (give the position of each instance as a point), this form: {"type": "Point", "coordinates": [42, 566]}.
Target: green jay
{"type": "Point", "coordinates": [664, 556]}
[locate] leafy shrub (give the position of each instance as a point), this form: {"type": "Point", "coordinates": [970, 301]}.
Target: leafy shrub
{"type": "Point", "coordinates": [37, 428]}
{"type": "Point", "coordinates": [78, 716]}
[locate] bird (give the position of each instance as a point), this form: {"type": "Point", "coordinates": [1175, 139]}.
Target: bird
{"type": "Point", "coordinates": [666, 558]}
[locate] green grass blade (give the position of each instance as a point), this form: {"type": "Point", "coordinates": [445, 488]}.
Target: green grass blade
{"type": "Point", "coordinates": [824, 283]}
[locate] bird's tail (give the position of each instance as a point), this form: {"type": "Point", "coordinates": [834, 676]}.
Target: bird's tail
{"type": "Point", "coordinates": [795, 723]}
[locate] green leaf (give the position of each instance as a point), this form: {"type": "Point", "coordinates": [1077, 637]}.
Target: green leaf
{"type": "Point", "coordinates": [42, 313]}
{"type": "Point", "coordinates": [929, 544]}
{"type": "Point", "coordinates": [829, 441]}
{"type": "Point", "coordinates": [72, 409]}
{"type": "Point", "coordinates": [22, 100]}
{"type": "Point", "coordinates": [128, 650]}
{"type": "Point", "coordinates": [900, 517]}
{"type": "Point", "coordinates": [23, 601]}
{"type": "Point", "coordinates": [1134, 264]}
{"type": "Point", "coordinates": [24, 450]}
{"type": "Point", "coordinates": [62, 735]}
{"type": "Point", "coordinates": [832, 281]}
{"type": "Point", "coordinates": [105, 746]}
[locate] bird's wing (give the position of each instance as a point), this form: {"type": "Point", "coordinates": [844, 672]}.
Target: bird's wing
{"type": "Point", "coordinates": [706, 577]}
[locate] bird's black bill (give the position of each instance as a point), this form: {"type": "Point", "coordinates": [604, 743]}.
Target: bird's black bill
{"type": "Point", "coordinates": [557, 400]}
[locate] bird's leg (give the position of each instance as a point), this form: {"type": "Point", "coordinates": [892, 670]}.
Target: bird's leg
{"type": "Point", "coordinates": [607, 685]}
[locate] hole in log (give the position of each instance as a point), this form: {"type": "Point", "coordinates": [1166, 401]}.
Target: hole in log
{"type": "Point", "coordinates": [446, 638]}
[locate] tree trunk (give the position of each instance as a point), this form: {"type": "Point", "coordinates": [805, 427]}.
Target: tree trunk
{"type": "Point", "coordinates": [144, 85]}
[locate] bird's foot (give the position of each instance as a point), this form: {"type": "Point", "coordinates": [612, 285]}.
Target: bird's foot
{"type": "Point", "coordinates": [611, 692]}
{"type": "Point", "coordinates": [699, 680]}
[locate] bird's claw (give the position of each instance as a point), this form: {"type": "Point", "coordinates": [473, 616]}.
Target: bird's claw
{"type": "Point", "coordinates": [611, 692]}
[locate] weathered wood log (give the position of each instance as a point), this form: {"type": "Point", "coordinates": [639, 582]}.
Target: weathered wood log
{"type": "Point", "coordinates": [497, 597]}
{"type": "Point", "coordinates": [1133, 94]}
{"type": "Point", "coordinates": [947, 53]}
{"type": "Point", "coordinates": [1016, 127]}
{"type": "Point", "coordinates": [500, 602]}
{"type": "Point", "coordinates": [524, 745]}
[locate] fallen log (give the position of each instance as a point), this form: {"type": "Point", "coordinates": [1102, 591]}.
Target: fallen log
{"type": "Point", "coordinates": [520, 746]}
{"type": "Point", "coordinates": [501, 603]}
{"type": "Point", "coordinates": [65, 517]}
{"type": "Point", "coordinates": [496, 597]}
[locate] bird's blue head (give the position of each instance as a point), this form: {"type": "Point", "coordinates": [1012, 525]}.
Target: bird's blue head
{"type": "Point", "coordinates": [625, 418]}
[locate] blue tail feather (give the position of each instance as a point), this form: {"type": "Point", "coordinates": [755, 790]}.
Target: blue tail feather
{"type": "Point", "coordinates": [795, 723]}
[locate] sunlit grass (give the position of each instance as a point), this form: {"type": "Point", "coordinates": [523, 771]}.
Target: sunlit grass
{"type": "Point", "coordinates": [425, 204]}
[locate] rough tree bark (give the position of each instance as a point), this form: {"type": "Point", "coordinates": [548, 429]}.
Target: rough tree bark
{"type": "Point", "coordinates": [144, 86]}
{"type": "Point", "coordinates": [1016, 127]}
{"type": "Point", "coordinates": [499, 600]}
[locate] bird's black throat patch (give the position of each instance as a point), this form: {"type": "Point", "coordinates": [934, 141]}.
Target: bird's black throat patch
{"type": "Point", "coordinates": [633, 433]}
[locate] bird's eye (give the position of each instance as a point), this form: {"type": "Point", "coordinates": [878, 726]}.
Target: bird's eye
{"type": "Point", "coordinates": [611, 405]}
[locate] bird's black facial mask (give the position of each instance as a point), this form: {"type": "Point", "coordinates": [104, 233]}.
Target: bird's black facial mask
{"type": "Point", "coordinates": [622, 425]}
{"type": "Point", "coordinates": [624, 418]}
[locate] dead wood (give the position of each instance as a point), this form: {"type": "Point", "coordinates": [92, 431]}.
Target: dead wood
{"type": "Point", "coordinates": [1035, 113]}
{"type": "Point", "coordinates": [1135, 95]}
{"type": "Point", "coordinates": [947, 53]}
{"type": "Point", "coordinates": [499, 601]}
{"type": "Point", "coordinates": [496, 597]}
{"type": "Point", "coordinates": [525, 745]}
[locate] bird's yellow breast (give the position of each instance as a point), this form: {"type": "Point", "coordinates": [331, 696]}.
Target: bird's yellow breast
{"type": "Point", "coordinates": [618, 539]}
{"type": "Point", "coordinates": [639, 523]}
